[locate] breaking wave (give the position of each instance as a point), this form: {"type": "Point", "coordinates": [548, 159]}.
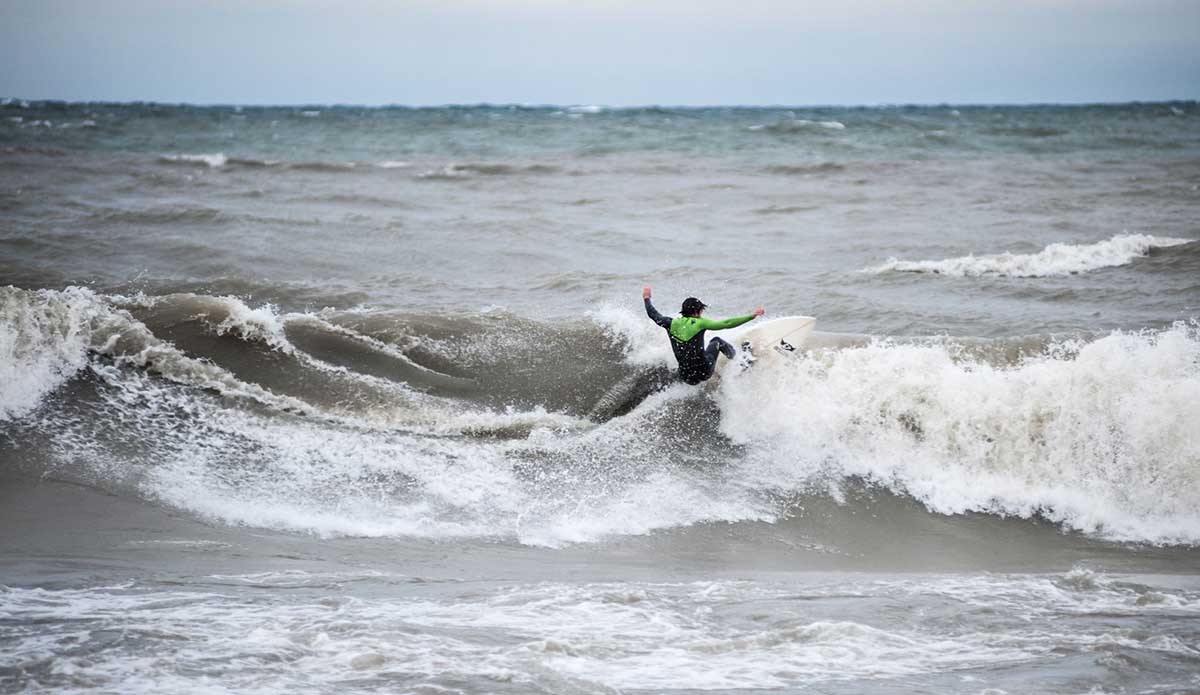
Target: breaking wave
{"type": "Point", "coordinates": [1055, 259]}
{"type": "Point", "coordinates": [379, 424]}
{"type": "Point", "coordinates": [49, 337]}
{"type": "Point", "coordinates": [1099, 436]}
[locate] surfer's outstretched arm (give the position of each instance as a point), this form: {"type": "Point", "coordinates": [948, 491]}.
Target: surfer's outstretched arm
{"type": "Point", "coordinates": [713, 325]}
{"type": "Point", "coordinates": [652, 312]}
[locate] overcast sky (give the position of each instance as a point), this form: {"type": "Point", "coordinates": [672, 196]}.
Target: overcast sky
{"type": "Point", "coordinates": [612, 52]}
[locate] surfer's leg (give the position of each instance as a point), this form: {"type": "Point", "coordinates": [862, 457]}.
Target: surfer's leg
{"type": "Point", "coordinates": [717, 345]}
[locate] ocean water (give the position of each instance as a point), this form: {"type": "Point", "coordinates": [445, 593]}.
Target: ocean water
{"type": "Point", "coordinates": [338, 399]}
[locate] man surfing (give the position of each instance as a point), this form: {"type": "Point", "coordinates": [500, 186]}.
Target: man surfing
{"type": "Point", "coordinates": [696, 362]}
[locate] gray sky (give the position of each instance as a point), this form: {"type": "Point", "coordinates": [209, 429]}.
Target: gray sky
{"type": "Point", "coordinates": [613, 52]}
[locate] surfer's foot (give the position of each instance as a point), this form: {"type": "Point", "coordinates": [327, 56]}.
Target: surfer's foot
{"type": "Point", "coordinates": [747, 356]}
{"type": "Point", "coordinates": [728, 350]}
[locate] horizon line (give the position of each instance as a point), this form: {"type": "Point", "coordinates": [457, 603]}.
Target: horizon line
{"type": "Point", "coordinates": [581, 107]}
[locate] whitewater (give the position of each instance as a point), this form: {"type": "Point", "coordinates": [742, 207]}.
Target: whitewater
{"type": "Point", "coordinates": [344, 399]}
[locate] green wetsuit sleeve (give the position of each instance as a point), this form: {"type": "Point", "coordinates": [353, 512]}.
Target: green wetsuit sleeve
{"type": "Point", "coordinates": [711, 325]}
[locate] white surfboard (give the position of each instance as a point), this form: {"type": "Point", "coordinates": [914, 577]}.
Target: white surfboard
{"type": "Point", "coordinates": [772, 338]}
{"type": "Point", "coordinates": [787, 333]}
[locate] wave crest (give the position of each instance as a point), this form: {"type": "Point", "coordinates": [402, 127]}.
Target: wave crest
{"type": "Point", "coordinates": [1054, 260]}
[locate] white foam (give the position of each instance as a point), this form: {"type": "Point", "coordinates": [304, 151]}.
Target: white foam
{"type": "Point", "coordinates": [585, 109]}
{"type": "Point", "coordinates": [1100, 437]}
{"type": "Point", "coordinates": [1055, 259]}
{"type": "Point", "coordinates": [392, 164]}
{"type": "Point", "coordinates": [337, 480]}
{"type": "Point", "coordinates": [44, 339]}
{"type": "Point", "coordinates": [643, 339]}
{"type": "Point", "coordinates": [573, 637]}
{"type": "Point", "coordinates": [263, 323]}
{"type": "Point", "coordinates": [213, 161]}
{"type": "Point", "coordinates": [344, 477]}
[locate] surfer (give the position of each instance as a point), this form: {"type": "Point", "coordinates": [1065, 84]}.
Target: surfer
{"type": "Point", "coordinates": [696, 362]}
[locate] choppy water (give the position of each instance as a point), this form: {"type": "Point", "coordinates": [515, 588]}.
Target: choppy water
{"type": "Point", "coordinates": [347, 399]}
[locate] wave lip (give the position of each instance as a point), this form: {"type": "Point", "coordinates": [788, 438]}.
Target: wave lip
{"type": "Point", "coordinates": [1054, 260]}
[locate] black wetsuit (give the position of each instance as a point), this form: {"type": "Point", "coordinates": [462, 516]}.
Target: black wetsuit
{"type": "Point", "coordinates": [696, 362]}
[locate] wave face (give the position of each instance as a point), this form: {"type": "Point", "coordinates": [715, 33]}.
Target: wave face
{"type": "Point", "coordinates": [1054, 260]}
{"type": "Point", "coordinates": [381, 424]}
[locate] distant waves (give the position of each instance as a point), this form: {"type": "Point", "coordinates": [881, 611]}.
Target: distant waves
{"type": "Point", "coordinates": [1054, 260]}
{"type": "Point", "coordinates": [452, 170]}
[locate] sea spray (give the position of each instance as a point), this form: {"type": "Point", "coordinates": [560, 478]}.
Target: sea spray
{"type": "Point", "coordinates": [1100, 436]}
{"type": "Point", "coordinates": [44, 337]}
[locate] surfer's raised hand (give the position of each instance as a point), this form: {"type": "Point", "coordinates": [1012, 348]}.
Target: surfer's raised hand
{"type": "Point", "coordinates": [646, 292]}
{"type": "Point", "coordinates": [757, 312]}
